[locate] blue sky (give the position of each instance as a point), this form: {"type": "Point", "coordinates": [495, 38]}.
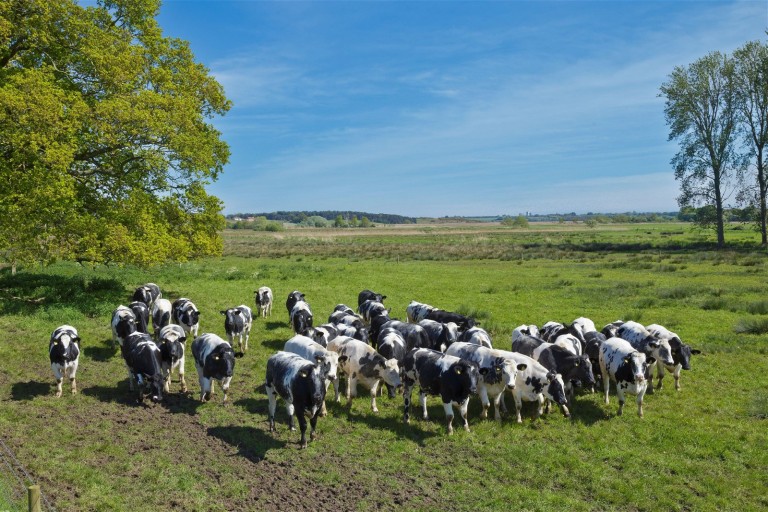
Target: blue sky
{"type": "Point", "coordinates": [435, 108]}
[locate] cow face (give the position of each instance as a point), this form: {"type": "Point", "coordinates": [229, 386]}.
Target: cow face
{"type": "Point", "coordinates": [312, 381]}
{"type": "Point", "coordinates": [556, 389]}
{"type": "Point", "coordinates": [681, 353]}
{"type": "Point", "coordinates": [467, 375]}
{"type": "Point", "coordinates": [638, 364]}
{"type": "Point", "coordinates": [61, 349]}
{"type": "Point", "coordinates": [390, 374]}
{"type": "Point", "coordinates": [156, 384]}
{"type": "Point", "coordinates": [220, 363]}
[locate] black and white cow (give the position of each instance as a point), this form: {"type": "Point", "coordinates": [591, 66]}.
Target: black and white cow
{"type": "Point", "coordinates": [171, 341]}
{"type": "Point", "coordinates": [594, 340]}
{"type": "Point", "coordinates": [323, 334]}
{"type": "Point", "coordinates": [161, 315]}
{"type": "Point", "coordinates": [681, 354]}
{"type": "Point", "coordinates": [535, 383]}
{"type": "Point", "coordinates": [345, 309]}
{"type": "Point", "coordinates": [214, 360]}
{"type": "Point", "coordinates": [64, 353]}
{"type": "Point", "coordinates": [263, 298]}
{"type": "Point", "coordinates": [141, 311]}
{"type": "Point", "coordinates": [370, 309]}
{"type": "Point", "coordinates": [328, 360]}
{"type": "Point", "coordinates": [525, 330]}
{"type": "Point", "coordinates": [611, 330]}
{"type": "Point", "coordinates": [185, 313]}
{"type": "Point", "coordinates": [452, 378]}
{"type": "Point", "coordinates": [369, 295]}
{"type": "Point", "coordinates": [357, 332]}
{"type": "Point", "coordinates": [641, 339]}
{"type": "Point", "coordinates": [145, 368]}
{"type": "Point", "coordinates": [123, 324]}
{"type": "Point", "coordinates": [237, 323]}
{"type": "Point", "coordinates": [576, 370]}
{"type": "Point", "coordinates": [440, 335]}
{"type": "Point", "coordinates": [626, 366]}
{"type": "Point", "coordinates": [301, 317]}
{"type": "Point", "coordinates": [391, 345]}
{"type": "Point", "coordinates": [416, 311]}
{"type": "Point", "coordinates": [550, 329]}
{"type": "Point", "coordinates": [439, 315]}
{"type": "Point", "coordinates": [343, 317]}
{"type": "Point", "coordinates": [477, 336]}
{"type": "Point", "coordinates": [293, 297]}
{"type": "Point", "coordinates": [414, 335]}
{"type": "Point", "coordinates": [570, 342]}
{"type": "Point", "coordinates": [147, 293]}
{"type": "Point", "coordinates": [300, 383]}
{"type": "Point", "coordinates": [363, 365]}
{"type": "Point", "coordinates": [497, 374]}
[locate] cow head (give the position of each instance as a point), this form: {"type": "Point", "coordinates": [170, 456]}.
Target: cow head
{"type": "Point", "coordinates": [61, 348]}
{"type": "Point", "coordinates": [233, 319]}
{"type": "Point", "coordinates": [638, 364]}
{"type": "Point", "coordinates": [390, 374]}
{"type": "Point", "coordinates": [220, 363]}
{"type": "Point", "coordinates": [660, 350]}
{"type": "Point", "coordinates": [466, 375]}
{"type": "Point", "coordinates": [312, 380]}
{"type": "Point", "coordinates": [556, 392]}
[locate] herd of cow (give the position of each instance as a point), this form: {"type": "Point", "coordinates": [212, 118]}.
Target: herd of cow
{"type": "Point", "coordinates": [444, 353]}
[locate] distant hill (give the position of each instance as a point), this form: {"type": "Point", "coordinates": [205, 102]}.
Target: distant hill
{"type": "Point", "coordinates": [299, 216]}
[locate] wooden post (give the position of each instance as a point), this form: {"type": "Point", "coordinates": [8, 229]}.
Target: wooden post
{"type": "Point", "coordinates": [34, 498]}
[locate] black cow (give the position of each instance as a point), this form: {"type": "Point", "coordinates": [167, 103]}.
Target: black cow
{"type": "Point", "coordinates": [185, 313]}
{"type": "Point", "coordinates": [214, 360]}
{"type": "Point", "coordinates": [576, 370]}
{"type": "Point", "coordinates": [144, 361]}
{"type": "Point", "coordinates": [141, 311]}
{"type": "Point", "coordinates": [414, 335]}
{"type": "Point", "coordinates": [147, 293]}
{"type": "Point", "coordinates": [452, 378]}
{"type": "Point", "coordinates": [369, 295]}
{"type": "Point", "coordinates": [293, 297]}
{"type": "Point", "coordinates": [594, 341]}
{"type": "Point", "coordinates": [64, 353]}
{"type": "Point", "coordinates": [301, 317]}
{"type": "Point", "coordinates": [299, 382]}
{"type": "Point", "coordinates": [441, 336]}
{"type": "Point", "coordinates": [439, 315]}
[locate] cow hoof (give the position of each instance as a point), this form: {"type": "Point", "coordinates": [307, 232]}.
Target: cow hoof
{"type": "Point", "coordinates": [375, 409]}
{"type": "Point", "coordinates": [312, 436]}
{"type": "Point", "coordinates": [58, 394]}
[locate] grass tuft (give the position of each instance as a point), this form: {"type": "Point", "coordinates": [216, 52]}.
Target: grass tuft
{"type": "Point", "coordinates": [751, 326]}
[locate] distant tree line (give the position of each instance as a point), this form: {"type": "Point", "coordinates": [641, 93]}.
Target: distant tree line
{"type": "Point", "coordinates": [331, 216]}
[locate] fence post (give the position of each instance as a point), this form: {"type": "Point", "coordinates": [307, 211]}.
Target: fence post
{"type": "Point", "coordinates": [34, 498]}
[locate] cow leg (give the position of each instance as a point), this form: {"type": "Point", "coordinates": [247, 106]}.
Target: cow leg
{"type": "Point", "coordinates": [676, 374]}
{"type": "Point", "coordinates": [606, 387]}
{"type": "Point", "coordinates": [640, 394]}
{"type": "Point", "coordinates": [59, 378]}
{"type": "Point", "coordinates": [407, 390]}
{"type": "Point", "coordinates": [463, 410]}
{"type": "Point", "coordinates": [540, 409]}
{"type": "Point", "coordinates": [497, 406]}
{"type": "Point", "coordinates": [620, 393]}
{"type": "Point", "coordinates": [130, 380]}
{"type": "Point", "coordinates": [336, 386]}
{"type": "Point", "coordinates": [517, 395]}
{"type": "Point", "coordinates": [302, 427]}
{"type": "Point", "coordinates": [323, 409]}
{"type": "Point", "coordinates": [660, 371]}
{"type": "Point", "coordinates": [72, 375]}
{"type": "Point", "coordinates": [183, 381]}
{"type": "Point", "coordinates": [313, 426]}
{"type": "Point", "coordinates": [247, 337]}
{"type": "Point", "coordinates": [206, 389]}
{"type": "Point", "coordinates": [224, 386]}
{"type": "Point", "coordinates": [423, 402]}
{"type": "Point", "coordinates": [649, 380]}
{"type": "Point", "coordinates": [272, 405]}
{"type": "Point", "coordinates": [449, 416]}
{"type": "Point", "coordinates": [374, 392]}
{"type": "Point", "coordinates": [290, 410]}
{"type": "Point", "coordinates": [485, 401]}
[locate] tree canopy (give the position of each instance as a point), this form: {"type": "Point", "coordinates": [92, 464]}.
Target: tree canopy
{"type": "Point", "coordinates": [105, 136]}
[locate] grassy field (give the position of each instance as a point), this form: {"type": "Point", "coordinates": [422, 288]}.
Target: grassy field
{"type": "Point", "coordinates": [703, 448]}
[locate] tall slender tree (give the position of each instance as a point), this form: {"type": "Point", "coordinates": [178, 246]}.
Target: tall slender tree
{"type": "Point", "coordinates": [105, 139]}
{"type": "Point", "coordinates": [701, 111]}
{"type": "Point", "coordinates": [751, 74]}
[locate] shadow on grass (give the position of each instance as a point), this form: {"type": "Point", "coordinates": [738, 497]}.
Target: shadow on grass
{"type": "Point", "coordinates": [251, 443]}
{"type": "Point", "coordinates": [274, 344]}
{"type": "Point", "coordinates": [101, 352]}
{"type": "Point", "coordinates": [22, 391]}
{"type": "Point", "coordinates": [271, 326]}
{"type": "Point", "coordinates": [25, 293]}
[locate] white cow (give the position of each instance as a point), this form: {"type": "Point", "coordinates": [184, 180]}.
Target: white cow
{"type": "Point", "coordinates": [64, 353]}
{"type": "Point", "coordinates": [621, 363]}
{"type": "Point", "coordinates": [263, 298]}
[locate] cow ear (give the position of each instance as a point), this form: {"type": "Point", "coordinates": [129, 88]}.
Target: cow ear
{"type": "Point", "coordinates": [223, 312]}
{"type": "Point", "coordinates": [319, 358]}
{"type": "Point", "coordinates": [303, 374]}
{"type": "Point", "coordinates": [521, 367]}
{"type": "Point", "coordinates": [483, 371]}
{"type": "Point", "coordinates": [343, 358]}
{"type": "Point", "coordinates": [627, 360]}
{"type": "Point", "coordinates": [650, 360]}
{"type": "Point", "coordinates": [457, 369]}
{"type": "Point", "coordinates": [653, 344]}
{"type": "Point", "coordinates": [577, 363]}
{"type": "Point", "coordinates": [695, 351]}
{"type": "Point", "coordinates": [498, 369]}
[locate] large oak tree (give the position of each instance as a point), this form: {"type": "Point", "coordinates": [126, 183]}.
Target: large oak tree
{"type": "Point", "coordinates": [106, 143]}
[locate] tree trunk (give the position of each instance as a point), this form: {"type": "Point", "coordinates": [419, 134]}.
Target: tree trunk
{"type": "Point", "coordinates": [761, 183]}
{"type": "Point", "coordinates": [719, 209]}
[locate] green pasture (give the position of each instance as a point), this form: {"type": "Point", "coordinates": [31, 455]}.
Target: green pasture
{"type": "Point", "coordinates": [703, 448]}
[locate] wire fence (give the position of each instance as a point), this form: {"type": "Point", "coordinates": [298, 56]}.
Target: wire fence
{"type": "Point", "coordinates": [18, 479]}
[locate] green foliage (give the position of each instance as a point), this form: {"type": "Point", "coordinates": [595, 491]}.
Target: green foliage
{"type": "Point", "coordinates": [515, 222]}
{"type": "Point", "coordinates": [105, 136]}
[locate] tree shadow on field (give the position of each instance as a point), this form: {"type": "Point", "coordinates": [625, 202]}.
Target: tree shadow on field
{"type": "Point", "coordinates": [25, 293]}
{"type": "Point", "coordinates": [251, 443]}
{"type": "Point", "coordinates": [23, 391]}
{"type": "Point", "coordinates": [274, 344]}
